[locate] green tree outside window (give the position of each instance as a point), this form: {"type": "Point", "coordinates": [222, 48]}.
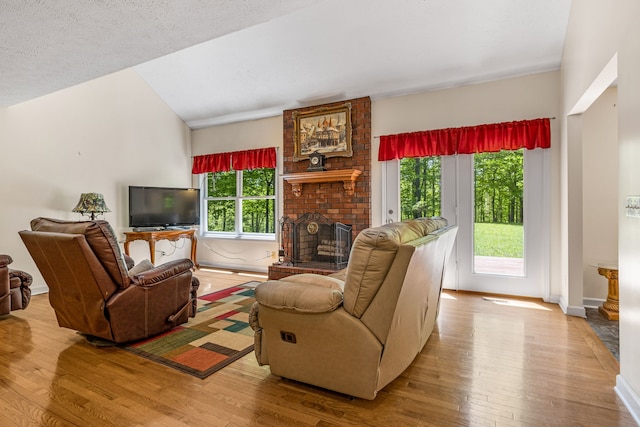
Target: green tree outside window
{"type": "Point", "coordinates": [241, 202]}
{"type": "Point", "coordinates": [419, 187]}
{"type": "Point", "coordinates": [498, 198]}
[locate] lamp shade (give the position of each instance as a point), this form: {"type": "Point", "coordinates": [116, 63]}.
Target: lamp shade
{"type": "Point", "coordinates": [91, 204]}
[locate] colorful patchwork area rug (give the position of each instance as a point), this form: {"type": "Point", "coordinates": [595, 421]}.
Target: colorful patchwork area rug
{"type": "Point", "coordinates": [219, 334]}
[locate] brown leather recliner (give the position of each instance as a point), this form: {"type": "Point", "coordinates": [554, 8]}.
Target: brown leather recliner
{"type": "Point", "coordinates": [15, 292]}
{"type": "Point", "coordinates": [90, 287]}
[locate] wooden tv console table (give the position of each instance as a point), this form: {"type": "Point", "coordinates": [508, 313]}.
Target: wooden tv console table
{"type": "Point", "coordinates": [153, 236]}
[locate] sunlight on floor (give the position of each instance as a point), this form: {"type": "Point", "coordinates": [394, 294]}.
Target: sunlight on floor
{"type": "Point", "coordinates": [211, 270]}
{"type": "Point", "coordinates": [239, 273]}
{"type": "Point", "coordinates": [516, 303]}
{"type": "Point", "coordinates": [257, 275]}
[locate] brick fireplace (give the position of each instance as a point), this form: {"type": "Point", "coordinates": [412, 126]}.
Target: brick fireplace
{"type": "Point", "coordinates": [328, 196]}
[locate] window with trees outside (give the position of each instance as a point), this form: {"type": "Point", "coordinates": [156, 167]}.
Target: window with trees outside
{"type": "Point", "coordinates": [498, 207]}
{"type": "Point", "coordinates": [241, 203]}
{"type": "Point", "coordinates": [419, 187]}
{"type": "Point", "coordinates": [498, 229]}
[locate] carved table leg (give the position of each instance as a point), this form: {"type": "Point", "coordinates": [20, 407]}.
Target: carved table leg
{"type": "Point", "coordinates": [152, 250]}
{"type": "Point", "coordinates": [194, 248]}
{"type": "Point", "coordinates": [610, 308]}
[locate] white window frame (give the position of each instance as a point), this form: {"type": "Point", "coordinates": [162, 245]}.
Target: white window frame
{"type": "Point", "coordinates": [238, 233]}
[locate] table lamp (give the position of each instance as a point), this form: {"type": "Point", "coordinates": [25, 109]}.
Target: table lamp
{"type": "Point", "coordinates": [91, 204]}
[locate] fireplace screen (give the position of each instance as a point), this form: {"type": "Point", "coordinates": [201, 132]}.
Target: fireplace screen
{"type": "Point", "coordinates": [319, 242]}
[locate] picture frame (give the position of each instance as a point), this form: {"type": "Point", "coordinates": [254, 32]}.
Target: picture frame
{"type": "Point", "coordinates": [324, 130]}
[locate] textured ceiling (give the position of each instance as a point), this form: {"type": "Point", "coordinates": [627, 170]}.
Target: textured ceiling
{"type": "Point", "coordinates": [248, 59]}
{"type": "Point", "coordinates": [47, 45]}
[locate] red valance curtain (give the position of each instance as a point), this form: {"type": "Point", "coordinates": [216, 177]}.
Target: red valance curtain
{"type": "Point", "coordinates": [238, 160]}
{"type": "Point", "coordinates": [527, 134]}
{"type": "Point", "coordinates": [219, 162]}
{"type": "Point", "coordinates": [254, 159]}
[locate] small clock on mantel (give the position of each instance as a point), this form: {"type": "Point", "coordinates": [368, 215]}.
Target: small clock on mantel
{"type": "Point", "coordinates": [316, 162]}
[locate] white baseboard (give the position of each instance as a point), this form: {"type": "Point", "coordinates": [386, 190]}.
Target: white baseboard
{"type": "Point", "coordinates": [553, 299]}
{"type": "Point", "coordinates": [572, 310]}
{"type": "Point", "coordinates": [628, 397]}
{"type": "Point", "coordinates": [39, 289]}
{"type": "Point", "coordinates": [223, 266]}
{"type": "Point", "coordinates": [592, 302]}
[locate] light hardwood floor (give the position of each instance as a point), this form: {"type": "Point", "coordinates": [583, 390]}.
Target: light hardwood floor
{"type": "Point", "coordinates": [490, 362]}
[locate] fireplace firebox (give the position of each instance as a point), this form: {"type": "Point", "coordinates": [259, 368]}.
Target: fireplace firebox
{"type": "Point", "coordinates": [318, 242]}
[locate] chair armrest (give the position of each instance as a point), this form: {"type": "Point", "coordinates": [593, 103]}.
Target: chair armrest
{"type": "Point", "coordinates": [129, 261]}
{"type": "Point", "coordinates": [5, 260]}
{"type": "Point", "coordinates": [340, 275]}
{"type": "Point", "coordinates": [312, 279]}
{"type": "Point", "coordinates": [298, 297]}
{"type": "Point", "coordinates": [157, 300]}
{"type": "Point", "coordinates": [25, 278]}
{"type": "Point", "coordinates": [162, 272]}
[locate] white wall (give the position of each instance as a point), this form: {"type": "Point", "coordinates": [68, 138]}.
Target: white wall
{"type": "Point", "coordinates": [99, 136]}
{"type": "Point", "coordinates": [599, 31]}
{"type": "Point", "coordinates": [238, 254]}
{"type": "Point", "coordinates": [600, 193]}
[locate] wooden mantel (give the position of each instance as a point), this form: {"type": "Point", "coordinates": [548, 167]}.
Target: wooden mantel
{"type": "Point", "coordinates": [347, 176]}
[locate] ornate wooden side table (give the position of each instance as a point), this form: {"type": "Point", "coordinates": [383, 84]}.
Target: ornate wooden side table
{"type": "Point", "coordinates": [610, 308]}
{"type": "Point", "coordinates": [152, 236]}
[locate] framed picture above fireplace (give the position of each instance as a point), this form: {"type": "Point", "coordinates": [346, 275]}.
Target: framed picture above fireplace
{"type": "Point", "coordinates": [324, 130]}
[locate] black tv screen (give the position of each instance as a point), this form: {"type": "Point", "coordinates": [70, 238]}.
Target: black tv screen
{"type": "Point", "coordinates": [163, 206]}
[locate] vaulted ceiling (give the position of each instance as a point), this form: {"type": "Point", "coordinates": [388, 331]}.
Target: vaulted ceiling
{"type": "Point", "coordinates": [222, 61]}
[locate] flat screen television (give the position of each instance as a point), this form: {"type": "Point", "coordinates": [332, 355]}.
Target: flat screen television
{"type": "Point", "coordinates": [163, 206]}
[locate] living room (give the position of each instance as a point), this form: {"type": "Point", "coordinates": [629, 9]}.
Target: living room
{"type": "Point", "coordinates": [115, 131]}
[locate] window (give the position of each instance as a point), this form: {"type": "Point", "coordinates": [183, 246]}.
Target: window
{"type": "Point", "coordinates": [498, 213]}
{"type": "Point", "coordinates": [419, 187]}
{"type": "Point", "coordinates": [240, 203]}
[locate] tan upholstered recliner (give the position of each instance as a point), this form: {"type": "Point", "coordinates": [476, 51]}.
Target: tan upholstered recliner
{"type": "Point", "coordinates": [356, 331]}
{"type": "Point", "coordinates": [92, 290]}
{"type": "Point", "coordinates": [15, 291]}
